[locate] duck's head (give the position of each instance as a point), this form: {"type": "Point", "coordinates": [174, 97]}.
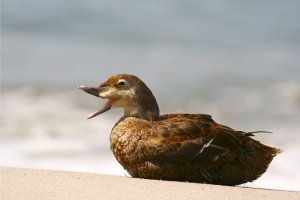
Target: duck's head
{"type": "Point", "coordinates": [127, 92]}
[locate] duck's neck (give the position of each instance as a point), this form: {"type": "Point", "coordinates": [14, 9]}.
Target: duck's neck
{"type": "Point", "coordinates": [141, 112]}
{"type": "Point", "coordinates": [144, 106]}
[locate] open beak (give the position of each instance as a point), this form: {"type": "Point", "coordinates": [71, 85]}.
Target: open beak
{"type": "Point", "coordinates": [96, 92]}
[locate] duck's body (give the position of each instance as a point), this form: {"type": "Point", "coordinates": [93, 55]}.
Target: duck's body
{"type": "Point", "coordinates": [180, 147]}
{"type": "Point", "coordinates": [173, 148]}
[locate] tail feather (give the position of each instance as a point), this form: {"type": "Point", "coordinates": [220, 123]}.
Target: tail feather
{"type": "Point", "coordinates": [253, 132]}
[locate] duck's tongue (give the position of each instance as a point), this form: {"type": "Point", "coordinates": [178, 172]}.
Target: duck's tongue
{"type": "Point", "coordinates": [105, 108]}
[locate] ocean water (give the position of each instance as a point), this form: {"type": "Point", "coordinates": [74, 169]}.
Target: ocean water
{"type": "Point", "coordinates": [237, 61]}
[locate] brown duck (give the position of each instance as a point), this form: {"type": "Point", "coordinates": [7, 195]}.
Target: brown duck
{"type": "Point", "coordinates": [178, 147]}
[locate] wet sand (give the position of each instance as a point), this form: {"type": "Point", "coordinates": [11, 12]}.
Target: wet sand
{"type": "Point", "coordinates": [19, 183]}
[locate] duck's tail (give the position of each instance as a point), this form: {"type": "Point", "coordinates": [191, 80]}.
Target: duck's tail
{"type": "Point", "coordinates": [273, 151]}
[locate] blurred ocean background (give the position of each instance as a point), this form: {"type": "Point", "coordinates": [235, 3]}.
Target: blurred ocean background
{"type": "Point", "coordinates": [236, 60]}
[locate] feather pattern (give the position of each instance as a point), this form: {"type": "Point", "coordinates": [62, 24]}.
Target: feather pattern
{"type": "Point", "coordinates": [189, 148]}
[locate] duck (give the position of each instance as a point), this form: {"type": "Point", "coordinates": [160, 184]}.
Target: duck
{"type": "Point", "coordinates": [176, 147]}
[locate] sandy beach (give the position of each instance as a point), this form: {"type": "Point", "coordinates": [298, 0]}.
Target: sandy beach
{"type": "Point", "coordinates": [19, 183]}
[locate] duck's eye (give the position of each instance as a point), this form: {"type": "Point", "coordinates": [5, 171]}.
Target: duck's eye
{"type": "Point", "coordinates": [121, 83]}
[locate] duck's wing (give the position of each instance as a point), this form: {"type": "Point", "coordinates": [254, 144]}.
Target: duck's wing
{"type": "Point", "coordinates": [180, 138]}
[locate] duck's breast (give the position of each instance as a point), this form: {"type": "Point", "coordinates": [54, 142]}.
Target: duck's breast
{"type": "Point", "coordinates": [126, 140]}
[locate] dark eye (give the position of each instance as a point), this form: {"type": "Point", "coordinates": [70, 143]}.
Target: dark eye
{"type": "Point", "coordinates": [121, 83]}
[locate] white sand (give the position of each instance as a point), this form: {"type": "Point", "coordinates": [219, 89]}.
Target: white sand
{"type": "Point", "coordinates": [47, 184]}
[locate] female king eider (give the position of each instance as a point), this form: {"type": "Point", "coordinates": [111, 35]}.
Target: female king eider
{"type": "Point", "coordinates": [177, 147]}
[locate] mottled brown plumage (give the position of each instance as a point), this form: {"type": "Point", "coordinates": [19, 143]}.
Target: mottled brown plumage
{"type": "Point", "coordinates": [179, 147]}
